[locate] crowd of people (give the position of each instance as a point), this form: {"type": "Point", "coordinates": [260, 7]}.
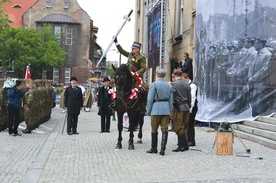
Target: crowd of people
{"type": "Point", "coordinates": [163, 101]}
{"type": "Point", "coordinates": [25, 100]}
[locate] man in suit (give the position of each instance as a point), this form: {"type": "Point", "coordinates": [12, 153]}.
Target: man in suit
{"type": "Point", "coordinates": [258, 71]}
{"type": "Point", "coordinates": [182, 104]}
{"type": "Point", "coordinates": [104, 101]}
{"type": "Point", "coordinates": [188, 65]}
{"type": "Point", "coordinates": [73, 102]}
{"type": "Point", "coordinates": [193, 109]}
{"type": "Point", "coordinates": [159, 107]}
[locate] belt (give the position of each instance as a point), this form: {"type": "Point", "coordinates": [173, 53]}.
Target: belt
{"type": "Point", "coordinates": [161, 100]}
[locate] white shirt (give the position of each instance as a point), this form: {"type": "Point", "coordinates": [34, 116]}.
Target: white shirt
{"type": "Point", "coordinates": [193, 93]}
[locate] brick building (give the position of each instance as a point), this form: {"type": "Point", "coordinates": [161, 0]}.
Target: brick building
{"type": "Point", "coordinates": [76, 30]}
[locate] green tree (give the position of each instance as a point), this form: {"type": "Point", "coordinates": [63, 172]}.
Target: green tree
{"type": "Point", "coordinates": [4, 23]}
{"type": "Point", "coordinates": [20, 47]}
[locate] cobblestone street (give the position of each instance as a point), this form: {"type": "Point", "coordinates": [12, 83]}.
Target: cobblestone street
{"type": "Point", "coordinates": [46, 155]}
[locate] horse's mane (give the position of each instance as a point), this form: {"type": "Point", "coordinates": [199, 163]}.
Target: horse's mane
{"type": "Point", "coordinates": [123, 79]}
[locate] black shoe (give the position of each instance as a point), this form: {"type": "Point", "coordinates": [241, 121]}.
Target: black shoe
{"type": "Point", "coordinates": [107, 131]}
{"type": "Point", "coordinates": [102, 131]}
{"type": "Point", "coordinates": [75, 133]}
{"type": "Point", "coordinates": [69, 133]}
{"type": "Point", "coordinates": [191, 143]}
{"type": "Point", "coordinates": [152, 151]}
{"type": "Point", "coordinates": [27, 130]}
{"type": "Point", "coordinates": [179, 149]}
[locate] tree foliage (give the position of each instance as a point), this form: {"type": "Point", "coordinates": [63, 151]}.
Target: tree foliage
{"type": "Point", "coordinates": [4, 23]}
{"type": "Point", "coordinates": [20, 47]}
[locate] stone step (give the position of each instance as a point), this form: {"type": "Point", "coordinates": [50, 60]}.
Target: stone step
{"type": "Point", "coordinates": [261, 125]}
{"type": "Point", "coordinates": [270, 120]}
{"type": "Point", "coordinates": [255, 131]}
{"type": "Point", "coordinates": [260, 140]}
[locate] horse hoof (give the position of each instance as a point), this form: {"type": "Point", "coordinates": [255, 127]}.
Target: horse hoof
{"type": "Point", "coordinates": [130, 147]}
{"type": "Point", "coordinates": [118, 146]}
{"type": "Point", "coordinates": [139, 141]}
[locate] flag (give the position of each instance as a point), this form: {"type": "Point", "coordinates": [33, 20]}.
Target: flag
{"type": "Point", "coordinates": [28, 72]}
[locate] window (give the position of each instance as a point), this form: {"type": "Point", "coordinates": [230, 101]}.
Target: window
{"type": "Point", "coordinates": [66, 5]}
{"type": "Point", "coordinates": [179, 17]}
{"type": "Point", "coordinates": [58, 33]}
{"type": "Point", "coordinates": [11, 68]}
{"type": "Point", "coordinates": [48, 4]}
{"type": "Point", "coordinates": [16, 6]}
{"type": "Point", "coordinates": [67, 75]}
{"type": "Point", "coordinates": [69, 35]}
{"type": "Point", "coordinates": [44, 74]}
{"type": "Point", "coordinates": [56, 75]}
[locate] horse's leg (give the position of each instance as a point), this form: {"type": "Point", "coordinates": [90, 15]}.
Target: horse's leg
{"type": "Point", "coordinates": [120, 129]}
{"type": "Point", "coordinates": [141, 123]}
{"type": "Point", "coordinates": [131, 129]}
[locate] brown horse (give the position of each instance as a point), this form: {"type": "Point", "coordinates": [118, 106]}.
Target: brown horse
{"type": "Point", "coordinates": [125, 82]}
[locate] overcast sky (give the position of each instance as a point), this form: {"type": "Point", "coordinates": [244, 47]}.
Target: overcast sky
{"type": "Point", "coordinates": [108, 17]}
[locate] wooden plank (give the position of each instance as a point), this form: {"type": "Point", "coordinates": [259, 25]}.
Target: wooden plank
{"type": "Point", "coordinates": [224, 143]}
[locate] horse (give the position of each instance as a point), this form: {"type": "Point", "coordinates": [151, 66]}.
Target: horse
{"type": "Point", "coordinates": [125, 82]}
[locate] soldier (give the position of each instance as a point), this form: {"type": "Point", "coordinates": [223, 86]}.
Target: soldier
{"type": "Point", "coordinates": [3, 106]}
{"type": "Point", "coordinates": [136, 63]}
{"type": "Point", "coordinates": [159, 107]}
{"type": "Point", "coordinates": [182, 104]}
{"type": "Point", "coordinates": [29, 107]}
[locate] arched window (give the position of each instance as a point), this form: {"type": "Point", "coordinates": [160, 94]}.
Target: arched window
{"type": "Point", "coordinates": [17, 6]}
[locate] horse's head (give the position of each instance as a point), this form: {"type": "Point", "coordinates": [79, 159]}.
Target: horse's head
{"type": "Point", "coordinates": [123, 78]}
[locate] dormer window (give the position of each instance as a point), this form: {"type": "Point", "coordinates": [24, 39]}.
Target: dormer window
{"type": "Point", "coordinates": [48, 4]}
{"type": "Point", "coordinates": [17, 6]}
{"type": "Point", "coordinates": [66, 5]}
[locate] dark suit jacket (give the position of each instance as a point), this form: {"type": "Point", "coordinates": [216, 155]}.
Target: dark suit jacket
{"type": "Point", "coordinates": [188, 67]}
{"type": "Point", "coordinates": [73, 100]}
{"type": "Point", "coordinates": [103, 102]}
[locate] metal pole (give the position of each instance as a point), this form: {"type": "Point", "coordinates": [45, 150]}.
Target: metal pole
{"type": "Point", "coordinates": [127, 18]}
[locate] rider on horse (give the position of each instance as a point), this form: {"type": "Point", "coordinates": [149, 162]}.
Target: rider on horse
{"type": "Point", "coordinates": [137, 64]}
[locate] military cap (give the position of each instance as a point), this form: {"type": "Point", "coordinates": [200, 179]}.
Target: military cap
{"type": "Point", "coordinates": [136, 45]}
{"type": "Point", "coordinates": [29, 81]}
{"type": "Point", "coordinates": [161, 72]}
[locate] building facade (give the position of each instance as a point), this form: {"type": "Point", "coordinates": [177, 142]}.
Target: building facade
{"type": "Point", "coordinates": [174, 21]}
{"type": "Point", "coordinates": [77, 33]}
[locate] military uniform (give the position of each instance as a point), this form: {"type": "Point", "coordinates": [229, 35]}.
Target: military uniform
{"type": "Point", "coordinates": [29, 106]}
{"type": "Point", "coordinates": [3, 106]}
{"type": "Point", "coordinates": [182, 104]}
{"type": "Point", "coordinates": [136, 63]}
{"type": "Point", "coordinates": [159, 107]}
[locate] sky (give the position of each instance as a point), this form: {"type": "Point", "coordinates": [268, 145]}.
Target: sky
{"type": "Point", "coordinates": [108, 17]}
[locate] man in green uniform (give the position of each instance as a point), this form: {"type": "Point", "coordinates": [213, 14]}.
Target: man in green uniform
{"type": "Point", "coordinates": [136, 63]}
{"type": "Point", "coordinates": [3, 106]}
{"type": "Point", "coordinates": [29, 107]}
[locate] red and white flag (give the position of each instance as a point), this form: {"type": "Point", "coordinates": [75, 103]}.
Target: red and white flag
{"type": "Point", "coordinates": [28, 72]}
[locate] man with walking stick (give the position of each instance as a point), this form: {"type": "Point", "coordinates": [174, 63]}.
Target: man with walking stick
{"type": "Point", "coordinates": [73, 102]}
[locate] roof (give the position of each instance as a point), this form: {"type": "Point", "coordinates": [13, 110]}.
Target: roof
{"type": "Point", "coordinates": [58, 18]}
